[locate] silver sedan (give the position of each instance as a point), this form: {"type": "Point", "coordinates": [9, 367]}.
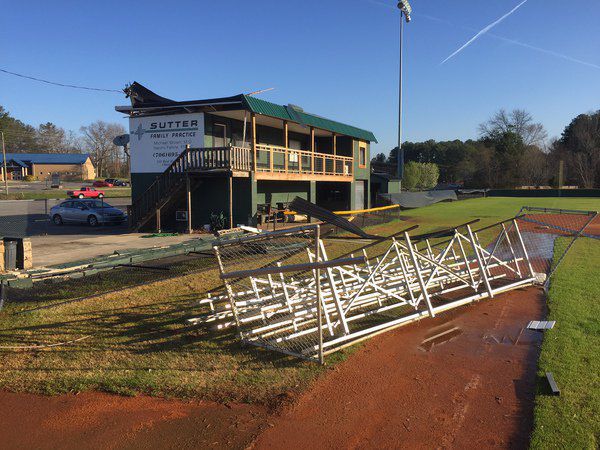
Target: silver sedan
{"type": "Point", "coordinates": [93, 212]}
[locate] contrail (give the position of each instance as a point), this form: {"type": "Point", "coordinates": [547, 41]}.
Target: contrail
{"type": "Point", "coordinates": [543, 50]}
{"type": "Point", "coordinates": [485, 30]}
{"type": "Point", "coordinates": [498, 37]}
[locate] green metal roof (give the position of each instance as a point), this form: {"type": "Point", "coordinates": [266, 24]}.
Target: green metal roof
{"type": "Point", "coordinates": [294, 114]}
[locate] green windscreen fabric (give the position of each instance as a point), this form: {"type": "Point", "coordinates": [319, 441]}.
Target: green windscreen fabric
{"type": "Point", "coordinates": [418, 199]}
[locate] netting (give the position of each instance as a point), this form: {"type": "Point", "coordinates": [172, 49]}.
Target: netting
{"type": "Point", "coordinates": [56, 288]}
{"type": "Point", "coordinates": [271, 308]}
{"type": "Point", "coordinates": [369, 217]}
{"type": "Point", "coordinates": [550, 233]}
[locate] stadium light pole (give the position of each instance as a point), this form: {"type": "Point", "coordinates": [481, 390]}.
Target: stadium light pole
{"type": "Point", "coordinates": [405, 12]}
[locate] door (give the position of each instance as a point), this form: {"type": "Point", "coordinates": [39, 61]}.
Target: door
{"type": "Point", "coordinates": [67, 212]}
{"type": "Point", "coordinates": [80, 212]}
{"type": "Point", "coordinates": [220, 135]}
{"type": "Point", "coordinates": [359, 195]}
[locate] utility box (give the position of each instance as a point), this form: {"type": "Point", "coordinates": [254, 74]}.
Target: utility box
{"type": "Point", "coordinates": [17, 253]}
{"type": "Point", "coordinates": [10, 255]}
{"type": "Point", "coordinates": [55, 181]}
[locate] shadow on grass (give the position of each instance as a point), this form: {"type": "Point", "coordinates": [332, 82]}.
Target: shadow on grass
{"type": "Point", "coordinates": [158, 328]}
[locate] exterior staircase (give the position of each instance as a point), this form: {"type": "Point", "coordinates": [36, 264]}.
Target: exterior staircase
{"type": "Point", "coordinates": [192, 160]}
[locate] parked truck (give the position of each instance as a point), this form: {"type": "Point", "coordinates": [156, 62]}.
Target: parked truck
{"type": "Point", "coordinates": [86, 192]}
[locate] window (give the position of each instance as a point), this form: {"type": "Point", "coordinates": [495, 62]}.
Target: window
{"type": "Point", "coordinates": [362, 156]}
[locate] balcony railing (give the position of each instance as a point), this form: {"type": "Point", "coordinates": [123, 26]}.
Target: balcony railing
{"type": "Point", "coordinates": [209, 158]}
{"type": "Point", "coordinates": [273, 159]}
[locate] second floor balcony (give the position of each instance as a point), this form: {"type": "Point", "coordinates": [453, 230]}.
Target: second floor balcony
{"type": "Point", "coordinates": [269, 162]}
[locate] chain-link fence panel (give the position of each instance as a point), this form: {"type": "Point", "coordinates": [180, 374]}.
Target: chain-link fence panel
{"type": "Point", "coordinates": [271, 291]}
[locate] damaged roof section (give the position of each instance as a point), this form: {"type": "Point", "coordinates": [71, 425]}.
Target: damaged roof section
{"type": "Point", "coordinates": [144, 102]}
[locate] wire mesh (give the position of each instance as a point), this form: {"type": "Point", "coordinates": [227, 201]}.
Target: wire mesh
{"type": "Point", "coordinates": [550, 233]}
{"type": "Point", "coordinates": [370, 217]}
{"type": "Point", "coordinates": [408, 280]}
{"type": "Point", "coordinates": [274, 309]}
{"type": "Point", "coordinates": [81, 284]}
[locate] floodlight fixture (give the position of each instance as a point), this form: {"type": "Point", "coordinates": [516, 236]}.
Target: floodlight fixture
{"type": "Point", "coordinates": [406, 9]}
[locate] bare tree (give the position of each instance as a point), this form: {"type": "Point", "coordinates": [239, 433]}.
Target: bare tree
{"type": "Point", "coordinates": [534, 167]}
{"type": "Point", "coordinates": [98, 141]}
{"type": "Point", "coordinates": [579, 146]}
{"type": "Point", "coordinates": [517, 121]}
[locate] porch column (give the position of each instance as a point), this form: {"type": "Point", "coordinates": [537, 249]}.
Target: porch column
{"type": "Point", "coordinates": [253, 125]}
{"type": "Point", "coordinates": [312, 196]}
{"type": "Point", "coordinates": [188, 191]}
{"type": "Point", "coordinates": [334, 139]}
{"type": "Point", "coordinates": [312, 149]}
{"type": "Point", "coordinates": [230, 182]}
{"type": "Point", "coordinates": [158, 225]}
{"type": "Point", "coordinates": [253, 198]}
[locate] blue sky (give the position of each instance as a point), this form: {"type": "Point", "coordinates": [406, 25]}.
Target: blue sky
{"type": "Point", "coordinates": [335, 58]}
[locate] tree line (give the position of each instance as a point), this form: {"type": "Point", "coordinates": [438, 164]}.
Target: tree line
{"type": "Point", "coordinates": [95, 139]}
{"type": "Point", "coordinates": [513, 150]}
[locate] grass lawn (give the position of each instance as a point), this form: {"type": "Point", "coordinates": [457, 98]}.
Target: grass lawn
{"type": "Point", "coordinates": [61, 193]}
{"type": "Point", "coordinates": [137, 340]}
{"type": "Point", "coordinates": [571, 351]}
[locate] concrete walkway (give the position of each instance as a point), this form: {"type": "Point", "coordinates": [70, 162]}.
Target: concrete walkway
{"type": "Point", "coordinates": [61, 249]}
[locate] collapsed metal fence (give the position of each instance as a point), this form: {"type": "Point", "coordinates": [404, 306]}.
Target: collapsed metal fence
{"type": "Point", "coordinates": [47, 290]}
{"type": "Point", "coordinates": [283, 293]}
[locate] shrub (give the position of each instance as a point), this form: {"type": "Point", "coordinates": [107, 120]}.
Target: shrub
{"type": "Point", "coordinates": [30, 178]}
{"type": "Point", "coordinates": [420, 175]}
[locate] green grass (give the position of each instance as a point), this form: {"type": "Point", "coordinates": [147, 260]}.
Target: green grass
{"type": "Point", "coordinates": [571, 351]}
{"type": "Point", "coordinates": [60, 193]}
{"type": "Point", "coordinates": [139, 341]}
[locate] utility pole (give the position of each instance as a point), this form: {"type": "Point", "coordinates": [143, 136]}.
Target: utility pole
{"type": "Point", "coordinates": [405, 11]}
{"type": "Point", "coordinates": [4, 166]}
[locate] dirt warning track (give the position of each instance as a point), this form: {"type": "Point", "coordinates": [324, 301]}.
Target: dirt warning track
{"type": "Point", "coordinates": [463, 380]}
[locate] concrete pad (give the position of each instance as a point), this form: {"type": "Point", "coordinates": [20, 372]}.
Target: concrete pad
{"type": "Point", "coordinates": [61, 249]}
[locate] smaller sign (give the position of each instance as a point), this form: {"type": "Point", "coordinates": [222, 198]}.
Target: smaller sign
{"type": "Point", "coordinates": [181, 216]}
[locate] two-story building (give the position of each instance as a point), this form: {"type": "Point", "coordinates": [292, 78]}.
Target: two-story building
{"type": "Point", "coordinates": [242, 152]}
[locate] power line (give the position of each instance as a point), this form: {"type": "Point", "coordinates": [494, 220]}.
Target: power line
{"type": "Point", "coordinates": [60, 84]}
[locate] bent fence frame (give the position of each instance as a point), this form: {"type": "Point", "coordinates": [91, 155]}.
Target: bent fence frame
{"type": "Point", "coordinates": [301, 303]}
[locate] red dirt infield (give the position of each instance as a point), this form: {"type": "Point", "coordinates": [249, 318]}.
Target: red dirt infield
{"type": "Point", "coordinates": [465, 379]}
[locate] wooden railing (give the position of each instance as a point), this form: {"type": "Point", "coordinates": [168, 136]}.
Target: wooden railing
{"type": "Point", "coordinates": [234, 158]}
{"type": "Point", "coordinates": [273, 159]}
{"type": "Point", "coordinates": [191, 159]}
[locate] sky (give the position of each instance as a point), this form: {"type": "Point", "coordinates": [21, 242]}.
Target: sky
{"type": "Point", "coordinates": [335, 58]}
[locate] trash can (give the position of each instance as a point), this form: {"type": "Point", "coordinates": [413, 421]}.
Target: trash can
{"type": "Point", "coordinates": [10, 255]}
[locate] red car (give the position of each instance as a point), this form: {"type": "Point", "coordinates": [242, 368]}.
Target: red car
{"type": "Point", "coordinates": [102, 184]}
{"type": "Point", "coordinates": [86, 192]}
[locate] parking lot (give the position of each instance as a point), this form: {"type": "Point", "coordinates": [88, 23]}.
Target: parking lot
{"type": "Point", "coordinates": [60, 244]}
{"type": "Point", "coordinates": [27, 218]}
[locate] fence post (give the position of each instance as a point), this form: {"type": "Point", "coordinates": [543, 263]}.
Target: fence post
{"type": "Point", "coordinates": [187, 157]}
{"type": "Point", "coordinates": [318, 286]}
{"type": "Point", "coordinates": [2, 294]}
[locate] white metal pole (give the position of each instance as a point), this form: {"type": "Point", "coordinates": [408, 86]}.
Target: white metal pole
{"type": "Point", "coordinates": [4, 166]}
{"type": "Point", "coordinates": [318, 287]}
{"type": "Point", "coordinates": [400, 156]}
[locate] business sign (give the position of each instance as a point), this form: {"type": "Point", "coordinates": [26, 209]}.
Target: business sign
{"type": "Point", "coordinates": [155, 142]}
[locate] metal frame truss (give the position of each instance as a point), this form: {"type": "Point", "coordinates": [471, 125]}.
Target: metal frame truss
{"type": "Point", "coordinates": [290, 297]}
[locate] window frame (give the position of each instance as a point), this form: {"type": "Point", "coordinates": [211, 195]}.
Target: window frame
{"type": "Point", "coordinates": [362, 157]}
